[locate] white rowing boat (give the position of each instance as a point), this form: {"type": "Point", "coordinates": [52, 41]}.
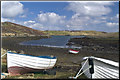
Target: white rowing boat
{"type": "Point", "coordinates": [21, 63]}
{"type": "Point", "coordinates": [99, 68]}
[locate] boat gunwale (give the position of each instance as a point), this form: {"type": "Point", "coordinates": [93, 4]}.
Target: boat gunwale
{"type": "Point", "coordinates": [112, 63]}
{"type": "Point", "coordinates": [47, 57]}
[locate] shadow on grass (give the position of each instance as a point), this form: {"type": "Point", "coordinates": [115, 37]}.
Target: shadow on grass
{"type": "Point", "coordinates": [4, 68]}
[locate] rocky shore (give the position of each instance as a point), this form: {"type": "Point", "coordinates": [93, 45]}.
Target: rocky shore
{"type": "Point", "coordinates": [103, 45]}
{"type": "Point", "coordinates": [66, 62]}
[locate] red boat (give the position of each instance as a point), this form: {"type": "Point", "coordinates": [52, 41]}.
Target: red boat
{"type": "Point", "coordinates": [73, 51]}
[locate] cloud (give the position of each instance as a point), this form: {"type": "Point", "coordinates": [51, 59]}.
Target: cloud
{"type": "Point", "coordinates": [29, 22]}
{"type": "Point", "coordinates": [110, 24]}
{"type": "Point", "coordinates": [117, 15]}
{"type": "Point", "coordinates": [90, 15]}
{"type": "Point", "coordinates": [76, 22]}
{"type": "Point", "coordinates": [92, 8]}
{"type": "Point", "coordinates": [7, 19]}
{"type": "Point", "coordinates": [11, 9]}
{"type": "Point", "coordinates": [86, 15]}
{"type": "Point", "coordinates": [115, 18]}
{"type": "Point", "coordinates": [33, 24]}
{"type": "Point", "coordinates": [23, 16]}
{"type": "Point", "coordinates": [50, 18]}
{"type": "Point", "coordinates": [37, 26]}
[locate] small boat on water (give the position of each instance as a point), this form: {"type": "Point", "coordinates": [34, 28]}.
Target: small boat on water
{"type": "Point", "coordinates": [99, 68]}
{"type": "Point", "coordinates": [73, 51]}
{"type": "Point", "coordinates": [22, 63]}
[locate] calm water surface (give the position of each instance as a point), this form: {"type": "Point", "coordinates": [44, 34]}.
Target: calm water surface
{"type": "Point", "coordinates": [54, 41]}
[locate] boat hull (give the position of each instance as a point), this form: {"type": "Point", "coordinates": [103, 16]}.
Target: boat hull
{"type": "Point", "coordinates": [73, 51]}
{"type": "Point", "coordinates": [19, 63]}
{"type": "Point", "coordinates": [16, 70]}
{"type": "Point", "coordinates": [103, 69]}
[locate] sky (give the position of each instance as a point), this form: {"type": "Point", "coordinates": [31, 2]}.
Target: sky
{"type": "Point", "coordinates": [64, 15]}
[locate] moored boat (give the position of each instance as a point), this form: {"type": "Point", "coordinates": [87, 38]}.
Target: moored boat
{"type": "Point", "coordinates": [22, 63]}
{"type": "Point", "coordinates": [73, 51]}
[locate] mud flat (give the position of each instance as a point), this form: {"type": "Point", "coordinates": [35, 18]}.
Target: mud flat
{"type": "Point", "coordinates": [66, 62]}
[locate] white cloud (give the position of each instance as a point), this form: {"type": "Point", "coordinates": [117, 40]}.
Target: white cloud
{"type": "Point", "coordinates": [115, 18]}
{"type": "Point", "coordinates": [117, 15]}
{"type": "Point", "coordinates": [7, 19]}
{"type": "Point", "coordinates": [50, 18]}
{"type": "Point", "coordinates": [93, 15]}
{"type": "Point", "coordinates": [29, 22]}
{"type": "Point", "coordinates": [33, 24]}
{"type": "Point", "coordinates": [37, 26]}
{"type": "Point", "coordinates": [23, 16]}
{"type": "Point", "coordinates": [110, 24]}
{"type": "Point", "coordinates": [11, 9]}
{"type": "Point", "coordinates": [77, 22]}
{"type": "Point", "coordinates": [92, 8]}
{"type": "Point", "coordinates": [90, 15]}
{"type": "Point", "coordinates": [81, 22]}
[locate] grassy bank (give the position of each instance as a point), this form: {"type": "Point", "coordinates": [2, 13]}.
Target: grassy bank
{"type": "Point", "coordinates": [86, 33]}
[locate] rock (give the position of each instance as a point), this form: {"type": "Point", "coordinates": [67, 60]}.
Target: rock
{"type": "Point", "coordinates": [50, 72]}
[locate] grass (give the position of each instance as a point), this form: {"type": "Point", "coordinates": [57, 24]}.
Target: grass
{"type": "Point", "coordinates": [4, 67]}
{"type": "Point", "coordinates": [88, 33]}
{"type": "Point", "coordinates": [59, 75]}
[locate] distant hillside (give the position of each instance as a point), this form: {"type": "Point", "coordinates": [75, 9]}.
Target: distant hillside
{"type": "Point", "coordinates": [12, 29]}
{"type": "Point", "coordinates": [86, 33]}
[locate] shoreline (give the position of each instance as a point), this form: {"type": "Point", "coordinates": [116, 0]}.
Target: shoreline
{"type": "Point", "coordinates": [13, 44]}
{"type": "Point", "coordinates": [65, 62]}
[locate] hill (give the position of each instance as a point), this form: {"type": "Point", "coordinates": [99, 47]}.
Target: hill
{"type": "Point", "coordinates": [85, 33]}
{"type": "Point", "coordinates": [12, 29]}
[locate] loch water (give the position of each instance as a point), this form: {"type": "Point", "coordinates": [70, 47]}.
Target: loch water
{"type": "Point", "coordinates": [53, 41]}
